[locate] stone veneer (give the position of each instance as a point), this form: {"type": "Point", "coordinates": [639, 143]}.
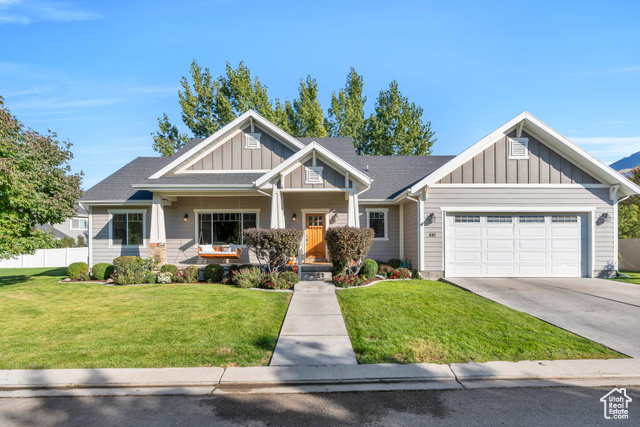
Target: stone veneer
{"type": "Point", "coordinates": [158, 251]}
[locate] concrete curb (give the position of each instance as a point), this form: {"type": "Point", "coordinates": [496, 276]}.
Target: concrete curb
{"type": "Point", "coordinates": [297, 379]}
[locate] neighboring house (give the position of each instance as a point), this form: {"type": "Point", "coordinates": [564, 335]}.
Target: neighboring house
{"type": "Point", "coordinates": [74, 227]}
{"type": "Point", "coordinates": [523, 201]}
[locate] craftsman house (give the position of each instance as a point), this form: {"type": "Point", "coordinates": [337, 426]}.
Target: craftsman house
{"type": "Point", "coordinates": [523, 201]}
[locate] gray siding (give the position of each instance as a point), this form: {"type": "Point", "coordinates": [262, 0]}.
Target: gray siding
{"type": "Point", "coordinates": [233, 155]}
{"type": "Point", "coordinates": [411, 234]}
{"type": "Point", "coordinates": [493, 166]}
{"type": "Point", "coordinates": [384, 250]}
{"type": "Point", "coordinates": [100, 225]}
{"type": "Point", "coordinates": [331, 177]}
{"type": "Point", "coordinates": [597, 198]}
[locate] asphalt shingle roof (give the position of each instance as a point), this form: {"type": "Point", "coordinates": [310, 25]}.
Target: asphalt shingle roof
{"type": "Point", "coordinates": [391, 174]}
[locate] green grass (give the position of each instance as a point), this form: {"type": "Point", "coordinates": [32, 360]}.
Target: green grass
{"type": "Point", "coordinates": [46, 324]}
{"type": "Point", "coordinates": [424, 321]}
{"type": "Point", "coordinates": [634, 277]}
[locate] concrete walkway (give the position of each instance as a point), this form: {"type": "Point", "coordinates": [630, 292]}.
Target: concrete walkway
{"type": "Point", "coordinates": [313, 332]}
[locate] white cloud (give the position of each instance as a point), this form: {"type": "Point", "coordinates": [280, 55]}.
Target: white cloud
{"type": "Point", "coordinates": [28, 12]}
{"type": "Point", "coordinates": [609, 148]}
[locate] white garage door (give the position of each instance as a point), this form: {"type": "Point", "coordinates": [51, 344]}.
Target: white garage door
{"type": "Point", "coordinates": [516, 245]}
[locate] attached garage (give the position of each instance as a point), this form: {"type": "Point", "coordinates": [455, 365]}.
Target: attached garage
{"type": "Point", "coordinates": [516, 244]}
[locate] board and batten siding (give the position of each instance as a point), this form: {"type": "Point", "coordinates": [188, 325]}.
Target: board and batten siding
{"type": "Point", "coordinates": [232, 154]}
{"type": "Point", "coordinates": [100, 229]}
{"type": "Point", "coordinates": [384, 250]}
{"type": "Point", "coordinates": [493, 166]}
{"type": "Point", "coordinates": [410, 226]}
{"type": "Point", "coordinates": [331, 178]}
{"type": "Point", "coordinates": [521, 197]}
{"type": "Point", "coordinates": [296, 202]}
{"type": "Point", "coordinates": [181, 236]}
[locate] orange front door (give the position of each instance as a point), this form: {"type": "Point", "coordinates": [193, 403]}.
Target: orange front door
{"type": "Point", "coordinates": [315, 237]}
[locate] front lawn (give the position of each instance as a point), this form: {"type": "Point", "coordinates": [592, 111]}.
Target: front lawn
{"type": "Point", "coordinates": [634, 277]}
{"type": "Point", "coordinates": [46, 324]}
{"type": "Point", "coordinates": [425, 321]}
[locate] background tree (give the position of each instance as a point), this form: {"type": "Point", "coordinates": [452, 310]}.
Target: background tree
{"type": "Point", "coordinates": [346, 114]}
{"type": "Point", "coordinates": [629, 212]}
{"type": "Point", "coordinates": [305, 115]}
{"type": "Point", "coordinates": [36, 186]}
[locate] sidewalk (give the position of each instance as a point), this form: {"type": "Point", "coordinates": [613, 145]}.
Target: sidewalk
{"type": "Point", "coordinates": [313, 331]}
{"type": "Point", "coordinates": [297, 379]}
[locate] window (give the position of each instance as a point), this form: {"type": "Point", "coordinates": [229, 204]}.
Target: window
{"type": "Point", "coordinates": [467, 218]}
{"type": "Point", "coordinates": [518, 148]}
{"type": "Point", "coordinates": [531, 219]}
{"type": "Point", "coordinates": [564, 218]}
{"type": "Point", "coordinates": [79, 224]}
{"type": "Point", "coordinates": [127, 228]}
{"type": "Point", "coordinates": [314, 175]}
{"type": "Point", "coordinates": [499, 218]}
{"type": "Point", "coordinates": [377, 219]}
{"type": "Point", "coordinates": [223, 228]}
{"type": "Point", "coordinates": [251, 140]}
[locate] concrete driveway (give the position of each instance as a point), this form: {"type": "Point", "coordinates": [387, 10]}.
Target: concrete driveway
{"type": "Point", "coordinates": [603, 311]}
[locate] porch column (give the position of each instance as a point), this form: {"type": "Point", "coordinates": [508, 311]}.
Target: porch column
{"type": "Point", "coordinates": [157, 237]}
{"type": "Point", "coordinates": [353, 212]}
{"type": "Point", "coordinates": [277, 217]}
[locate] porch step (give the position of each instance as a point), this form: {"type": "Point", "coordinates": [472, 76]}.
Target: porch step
{"type": "Point", "coordinates": [314, 286]}
{"type": "Point", "coordinates": [315, 275]}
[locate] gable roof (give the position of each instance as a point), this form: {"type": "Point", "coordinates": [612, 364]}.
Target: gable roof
{"type": "Point", "coordinates": [542, 131]}
{"type": "Point", "coordinates": [186, 153]}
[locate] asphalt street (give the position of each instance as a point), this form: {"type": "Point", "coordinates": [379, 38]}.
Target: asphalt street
{"type": "Point", "coordinates": [486, 407]}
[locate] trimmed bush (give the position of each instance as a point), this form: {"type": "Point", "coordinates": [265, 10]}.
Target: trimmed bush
{"type": "Point", "coordinates": [149, 264]}
{"type": "Point", "coordinates": [78, 271]}
{"type": "Point", "coordinates": [272, 281]}
{"type": "Point", "coordinates": [385, 270]}
{"type": "Point", "coordinates": [290, 279]}
{"type": "Point", "coordinates": [394, 263]}
{"type": "Point", "coordinates": [347, 281]}
{"type": "Point", "coordinates": [400, 273]}
{"type": "Point", "coordinates": [247, 277]}
{"type": "Point", "coordinates": [102, 271]}
{"type": "Point", "coordinates": [169, 268]}
{"type": "Point", "coordinates": [213, 273]}
{"type": "Point", "coordinates": [149, 277]}
{"type": "Point", "coordinates": [164, 278]}
{"type": "Point", "coordinates": [369, 268]}
{"type": "Point", "coordinates": [127, 270]}
{"type": "Point", "coordinates": [179, 277]}
{"type": "Point", "coordinates": [273, 247]}
{"type": "Point", "coordinates": [348, 246]}
{"type": "Point", "coordinates": [192, 274]}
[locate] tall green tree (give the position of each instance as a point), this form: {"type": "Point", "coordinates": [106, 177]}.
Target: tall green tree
{"type": "Point", "coordinates": [305, 115]}
{"type": "Point", "coordinates": [629, 212]}
{"type": "Point", "coordinates": [346, 114]}
{"type": "Point", "coordinates": [396, 127]}
{"type": "Point", "coordinates": [36, 186]}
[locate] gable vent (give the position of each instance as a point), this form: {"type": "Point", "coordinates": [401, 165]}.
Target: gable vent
{"type": "Point", "coordinates": [251, 140]}
{"type": "Point", "coordinates": [518, 148]}
{"type": "Point", "coordinates": [314, 175]}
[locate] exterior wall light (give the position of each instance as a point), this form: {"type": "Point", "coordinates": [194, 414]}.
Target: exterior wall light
{"type": "Point", "coordinates": [293, 218]}
{"type": "Point", "coordinates": [185, 218]}
{"type": "Point", "coordinates": [606, 217]}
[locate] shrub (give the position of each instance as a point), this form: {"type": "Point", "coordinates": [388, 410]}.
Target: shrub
{"type": "Point", "coordinates": [127, 270]}
{"type": "Point", "coordinates": [169, 268]}
{"type": "Point", "coordinates": [78, 271]}
{"type": "Point", "coordinates": [149, 264]}
{"type": "Point", "coordinates": [273, 247]}
{"type": "Point", "coordinates": [81, 242]}
{"type": "Point", "coordinates": [164, 278]}
{"type": "Point", "coordinates": [347, 281]}
{"type": "Point", "coordinates": [369, 268]}
{"type": "Point", "coordinates": [348, 246]}
{"type": "Point", "coordinates": [102, 271]}
{"type": "Point", "coordinates": [192, 274]}
{"type": "Point", "coordinates": [66, 242]}
{"type": "Point", "coordinates": [415, 274]}
{"type": "Point", "coordinates": [385, 270]}
{"type": "Point", "coordinates": [247, 277]}
{"type": "Point", "coordinates": [290, 279]}
{"type": "Point", "coordinates": [179, 277]}
{"type": "Point", "coordinates": [395, 263]}
{"type": "Point", "coordinates": [149, 277]}
{"type": "Point", "coordinates": [272, 281]}
{"type": "Point", "coordinates": [213, 273]}
{"type": "Point", "coordinates": [245, 266]}
{"type": "Point", "coordinates": [400, 273]}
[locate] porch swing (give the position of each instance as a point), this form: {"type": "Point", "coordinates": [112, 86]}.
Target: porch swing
{"type": "Point", "coordinates": [217, 251]}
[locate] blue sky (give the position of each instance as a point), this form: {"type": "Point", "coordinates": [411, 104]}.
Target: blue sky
{"type": "Point", "coordinates": [100, 73]}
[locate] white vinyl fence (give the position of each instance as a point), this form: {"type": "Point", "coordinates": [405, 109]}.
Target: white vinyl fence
{"type": "Point", "coordinates": [630, 252]}
{"type": "Point", "coordinates": [48, 258]}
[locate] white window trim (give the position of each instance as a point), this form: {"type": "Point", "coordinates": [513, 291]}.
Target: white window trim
{"type": "Point", "coordinates": [317, 169]}
{"type": "Point", "coordinates": [79, 229]}
{"type": "Point", "coordinates": [204, 211]}
{"type": "Point", "coordinates": [525, 141]}
{"type": "Point", "coordinates": [255, 135]}
{"type": "Point", "coordinates": [386, 221]}
{"type": "Point", "coordinates": [128, 211]}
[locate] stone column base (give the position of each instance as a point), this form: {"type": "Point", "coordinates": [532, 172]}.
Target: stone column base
{"type": "Point", "coordinates": [158, 251]}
